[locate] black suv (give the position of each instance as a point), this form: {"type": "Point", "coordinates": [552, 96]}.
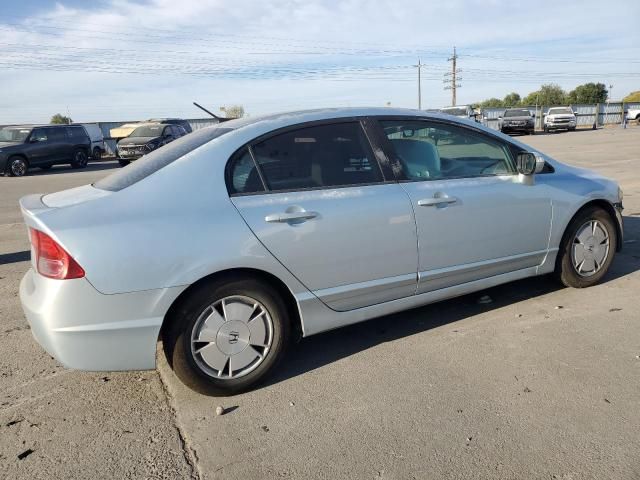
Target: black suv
{"type": "Point", "coordinates": [23, 147]}
{"type": "Point", "coordinates": [517, 120]}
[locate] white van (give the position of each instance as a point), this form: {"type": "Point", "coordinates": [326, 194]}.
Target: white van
{"type": "Point", "coordinates": [97, 140]}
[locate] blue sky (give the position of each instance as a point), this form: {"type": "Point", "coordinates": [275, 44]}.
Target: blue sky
{"type": "Point", "coordinates": [126, 60]}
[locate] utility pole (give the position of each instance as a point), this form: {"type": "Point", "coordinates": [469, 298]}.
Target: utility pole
{"type": "Point", "coordinates": [451, 78]}
{"type": "Point", "coordinates": [419, 66]}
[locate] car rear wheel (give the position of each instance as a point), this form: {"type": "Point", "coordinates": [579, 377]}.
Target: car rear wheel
{"type": "Point", "coordinates": [17, 166]}
{"type": "Point", "coordinates": [97, 154]}
{"type": "Point", "coordinates": [227, 336]}
{"type": "Point", "coordinates": [80, 159]}
{"type": "Point", "coordinates": [587, 248]}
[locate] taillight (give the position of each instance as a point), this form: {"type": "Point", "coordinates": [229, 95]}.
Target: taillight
{"type": "Point", "coordinates": [52, 260]}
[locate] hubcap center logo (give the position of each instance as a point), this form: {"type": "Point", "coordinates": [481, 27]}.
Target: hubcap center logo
{"type": "Point", "coordinates": [232, 337]}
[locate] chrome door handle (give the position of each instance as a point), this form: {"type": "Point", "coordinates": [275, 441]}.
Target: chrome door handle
{"type": "Point", "coordinates": [435, 201]}
{"type": "Point", "coordinates": [288, 217]}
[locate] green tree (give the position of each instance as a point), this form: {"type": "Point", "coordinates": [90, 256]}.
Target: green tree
{"type": "Point", "coordinates": [632, 97]}
{"type": "Point", "coordinates": [491, 103]}
{"type": "Point", "coordinates": [511, 100]}
{"type": "Point", "coordinates": [233, 111]}
{"type": "Point", "coordinates": [588, 93]}
{"type": "Point", "coordinates": [549, 94]}
{"type": "Point", "coordinates": [59, 119]}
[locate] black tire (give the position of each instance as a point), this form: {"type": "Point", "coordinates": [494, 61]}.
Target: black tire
{"type": "Point", "coordinates": [565, 270]}
{"type": "Point", "coordinates": [17, 166]}
{"type": "Point", "coordinates": [572, 129]}
{"type": "Point", "coordinates": [546, 129]}
{"type": "Point", "coordinates": [532, 132]}
{"type": "Point", "coordinates": [96, 154]}
{"type": "Point", "coordinates": [79, 159]}
{"type": "Point", "coordinates": [123, 163]}
{"type": "Point", "coordinates": [177, 336]}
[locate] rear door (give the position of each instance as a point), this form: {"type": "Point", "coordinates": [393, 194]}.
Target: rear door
{"type": "Point", "coordinates": [474, 218]}
{"type": "Point", "coordinates": [59, 144]}
{"type": "Point", "coordinates": [317, 198]}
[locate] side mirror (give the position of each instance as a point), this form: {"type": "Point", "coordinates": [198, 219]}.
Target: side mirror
{"type": "Point", "coordinates": [533, 115]}
{"type": "Point", "coordinates": [33, 140]}
{"type": "Point", "coordinates": [499, 118]}
{"type": "Point", "coordinates": [529, 163]}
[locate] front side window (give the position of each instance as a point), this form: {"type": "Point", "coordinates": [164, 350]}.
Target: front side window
{"type": "Point", "coordinates": [319, 156]}
{"type": "Point", "coordinates": [429, 150]}
{"type": "Point", "coordinates": [39, 135]}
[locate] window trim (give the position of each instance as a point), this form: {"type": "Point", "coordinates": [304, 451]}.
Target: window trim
{"type": "Point", "coordinates": [298, 126]}
{"type": "Point", "coordinates": [400, 175]}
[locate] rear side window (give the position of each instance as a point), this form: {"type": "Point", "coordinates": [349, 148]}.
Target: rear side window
{"type": "Point", "coordinates": [56, 134]}
{"type": "Point", "coordinates": [244, 174]}
{"type": "Point", "coordinates": [154, 161]}
{"type": "Point", "coordinates": [320, 156]}
{"type": "Point", "coordinates": [76, 132]}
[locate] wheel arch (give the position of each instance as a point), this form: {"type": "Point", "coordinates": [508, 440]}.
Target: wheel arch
{"type": "Point", "coordinates": [607, 207]}
{"type": "Point", "coordinates": [234, 273]}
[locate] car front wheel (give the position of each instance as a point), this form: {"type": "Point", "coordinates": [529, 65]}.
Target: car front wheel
{"type": "Point", "coordinates": [17, 167]}
{"type": "Point", "coordinates": [227, 336]}
{"type": "Point", "coordinates": [587, 248]}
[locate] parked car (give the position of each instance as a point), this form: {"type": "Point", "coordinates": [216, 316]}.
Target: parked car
{"type": "Point", "coordinates": [97, 148]}
{"type": "Point", "coordinates": [517, 120]}
{"type": "Point", "coordinates": [461, 111]}
{"type": "Point", "coordinates": [560, 118]}
{"type": "Point", "coordinates": [145, 139]}
{"type": "Point", "coordinates": [173, 121]}
{"type": "Point", "coordinates": [633, 114]}
{"type": "Point", "coordinates": [232, 240]}
{"type": "Point", "coordinates": [24, 147]}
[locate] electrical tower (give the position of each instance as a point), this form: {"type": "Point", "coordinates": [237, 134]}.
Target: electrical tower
{"type": "Point", "coordinates": [452, 77]}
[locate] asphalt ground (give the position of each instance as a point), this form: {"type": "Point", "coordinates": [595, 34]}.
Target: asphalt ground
{"type": "Point", "coordinates": [542, 382]}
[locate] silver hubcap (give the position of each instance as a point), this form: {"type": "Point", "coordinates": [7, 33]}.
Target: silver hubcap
{"type": "Point", "coordinates": [18, 168]}
{"type": "Point", "coordinates": [590, 248]}
{"type": "Point", "coordinates": [232, 337]}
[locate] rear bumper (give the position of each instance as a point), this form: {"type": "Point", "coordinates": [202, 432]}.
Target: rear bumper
{"type": "Point", "coordinates": [86, 330]}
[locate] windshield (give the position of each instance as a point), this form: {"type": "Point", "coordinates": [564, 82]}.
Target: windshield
{"type": "Point", "coordinates": [147, 131]}
{"type": "Point", "coordinates": [517, 113]}
{"type": "Point", "coordinates": [563, 110]}
{"type": "Point", "coordinates": [14, 134]}
{"type": "Point", "coordinates": [455, 111]}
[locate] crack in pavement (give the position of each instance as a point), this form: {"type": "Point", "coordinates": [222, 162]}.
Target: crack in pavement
{"type": "Point", "coordinates": [188, 451]}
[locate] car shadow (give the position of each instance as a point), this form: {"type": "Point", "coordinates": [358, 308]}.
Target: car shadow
{"type": "Point", "coordinates": [15, 257]}
{"type": "Point", "coordinates": [322, 349]}
{"type": "Point", "coordinates": [64, 169]}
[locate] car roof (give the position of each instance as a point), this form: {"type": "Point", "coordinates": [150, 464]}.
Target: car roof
{"type": "Point", "coordinates": [52, 125]}
{"type": "Point", "coordinates": [303, 116]}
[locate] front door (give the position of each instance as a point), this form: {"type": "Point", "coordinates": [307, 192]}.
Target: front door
{"type": "Point", "coordinates": [474, 218]}
{"type": "Point", "coordinates": [316, 197]}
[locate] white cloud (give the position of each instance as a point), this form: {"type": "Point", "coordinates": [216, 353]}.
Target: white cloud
{"type": "Point", "coordinates": [140, 59]}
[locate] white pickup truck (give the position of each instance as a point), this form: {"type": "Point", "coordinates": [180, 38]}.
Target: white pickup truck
{"type": "Point", "coordinates": [560, 118]}
{"type": "Point", "coordinates": [633, 114]}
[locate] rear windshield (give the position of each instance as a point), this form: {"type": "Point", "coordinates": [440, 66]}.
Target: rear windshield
{"type": "Point", "coordinates": [517, 113]}
{"type": "Point", "coordinates": [154, 161]}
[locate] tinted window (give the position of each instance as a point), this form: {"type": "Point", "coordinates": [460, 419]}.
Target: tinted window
{"type": "Point", "coordinates": [154, 161]}
{"type": "Point", "coordinates": [322, 156]}
{"type": "Point", "coordinates": [76, 132]}
{"type": "Point", "coordinates": [428, 150]}
{"type": "Point", "coordinates": [57, 134]}
{"type": "Point", "coordinates": [244, 175]}
{"type": "Point", "coordinates": [39, 135]}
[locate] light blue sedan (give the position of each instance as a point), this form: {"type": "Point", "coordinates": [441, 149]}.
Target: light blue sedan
{"type": "Point", "coordinates": [229, 242]}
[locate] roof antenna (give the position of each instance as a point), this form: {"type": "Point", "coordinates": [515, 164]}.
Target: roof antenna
{"type": "Point", "coordinates": [220, 119]}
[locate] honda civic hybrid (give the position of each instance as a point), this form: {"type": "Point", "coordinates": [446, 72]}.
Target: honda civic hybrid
{"type": "Point", "coordinates": [232, 241]}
